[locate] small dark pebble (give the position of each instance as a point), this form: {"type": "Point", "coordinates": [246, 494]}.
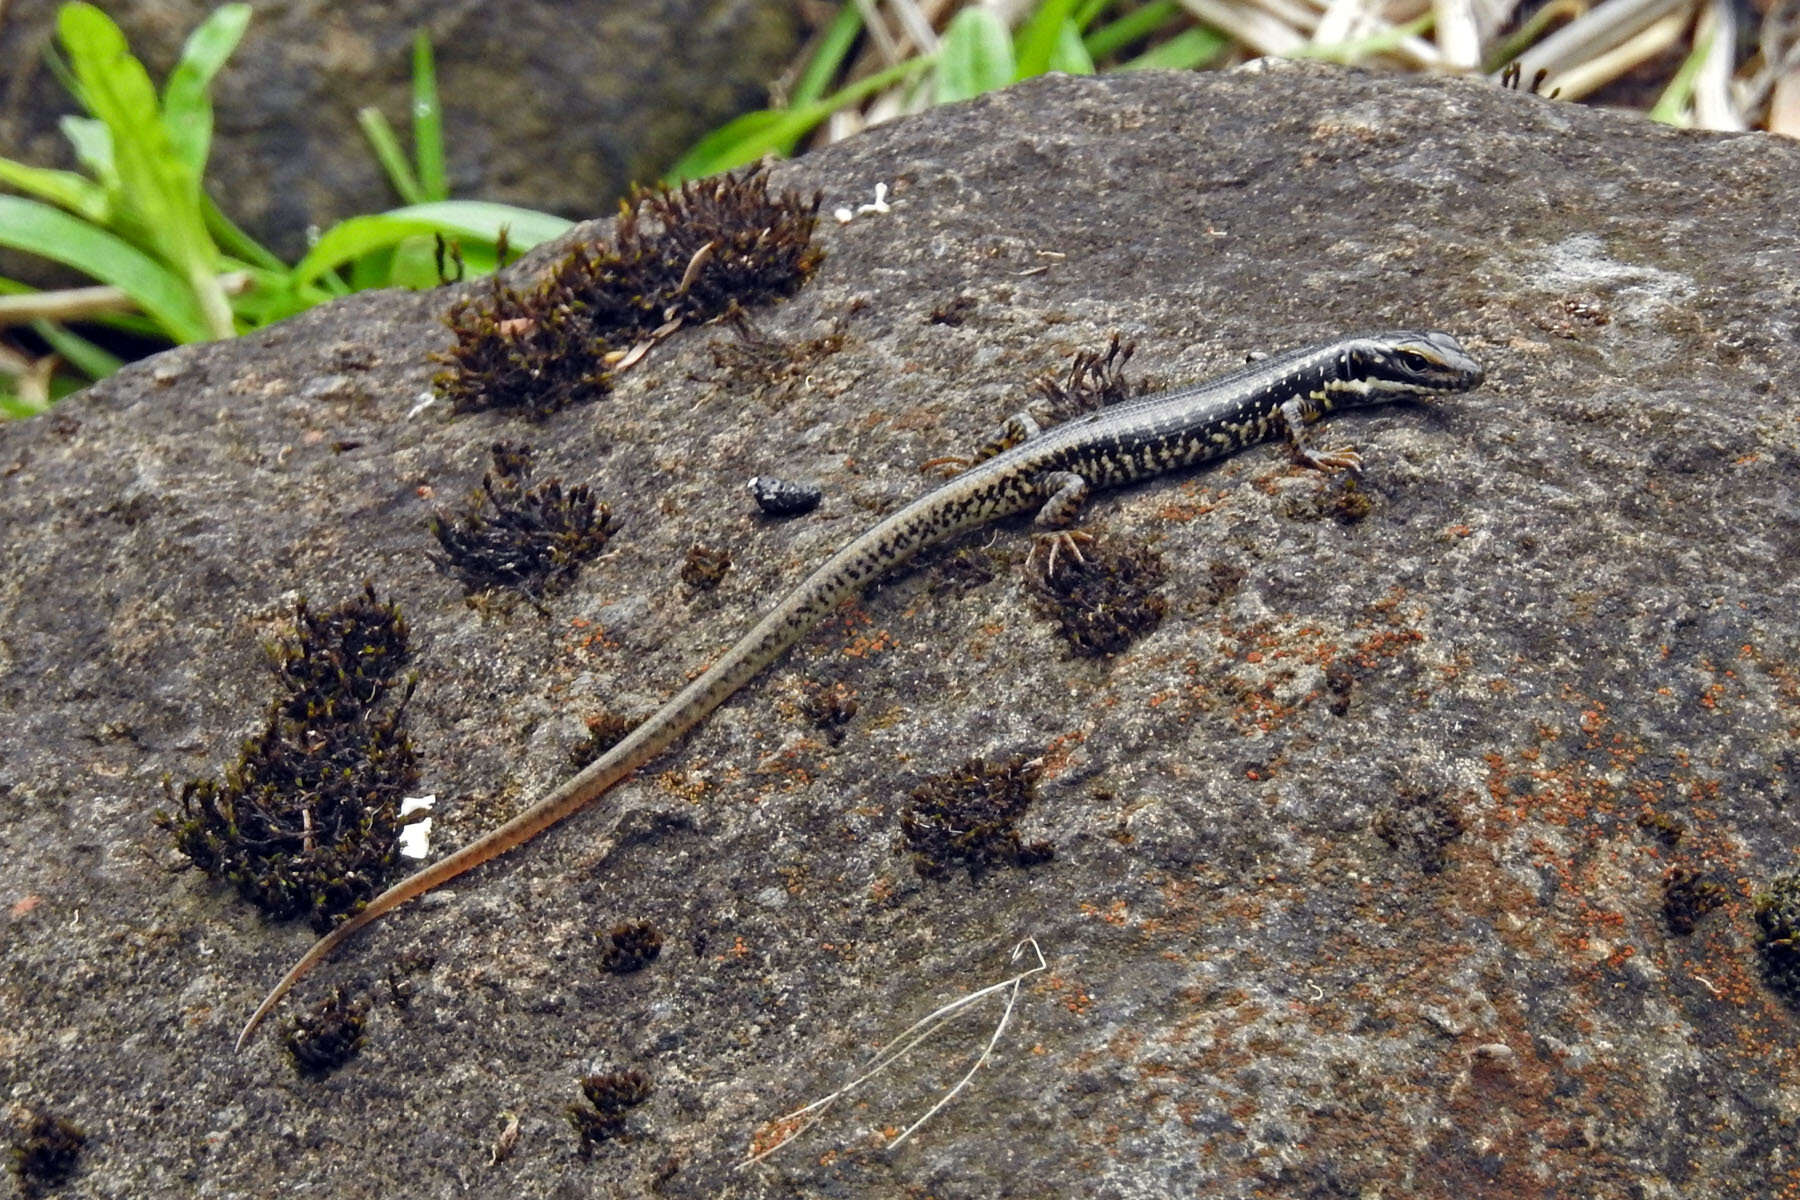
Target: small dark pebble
{"type": "Point", "coordinates": [784, 497]}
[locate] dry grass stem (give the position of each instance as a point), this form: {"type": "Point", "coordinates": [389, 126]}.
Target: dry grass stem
{"type": "Point", "coordinates": [792, 1124]}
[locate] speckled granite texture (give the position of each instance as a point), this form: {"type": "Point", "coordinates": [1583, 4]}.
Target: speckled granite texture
{"type": "Point", "coordinates": [1352, 893]}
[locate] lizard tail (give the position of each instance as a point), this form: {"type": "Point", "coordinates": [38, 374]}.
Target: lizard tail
{"type": "Point", "coordinates": [320, 949]}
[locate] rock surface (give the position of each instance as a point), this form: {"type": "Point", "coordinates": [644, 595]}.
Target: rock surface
{"type": "Point", "coordinates": [1350, 894]}
{"type": "Point", "coordinates": [552, 106]}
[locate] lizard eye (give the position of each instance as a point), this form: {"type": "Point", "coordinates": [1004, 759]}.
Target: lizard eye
{"type": "Point", "coordinates": [1412, 360]}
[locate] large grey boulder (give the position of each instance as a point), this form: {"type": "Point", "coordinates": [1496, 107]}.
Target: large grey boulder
{"type": "Point", "coordinates": [1362, 857]}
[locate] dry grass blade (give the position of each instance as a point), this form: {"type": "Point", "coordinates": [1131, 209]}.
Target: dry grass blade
{"type": "Point", "coordinates": [74, 304]}
{"type": "Point", "coordinates": [1784, 105]}
{"type": "Point", "coordinates": [1458, 34]}
{"type": "Point", "coordinates": [1592, 74]}
{"type": "Point", "coordinates": [1257, 30]}
{"type": "Point", "coordinates": [792, 1124]}
{"type": "Point", "coordinates": [1586, 38]}
{"type": "Point", "coordinates": [1714, 104]}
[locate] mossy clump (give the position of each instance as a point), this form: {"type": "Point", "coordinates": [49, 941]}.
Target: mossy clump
{"type": "Point", "coordinates": [1688, 896]}
{"type": "Point", "coordinates": [307, 820]}
{"type": "Point", "coordinates": [1338, 497]}
{"type": "Point", "coordinates": [1778, 940]}
{"type": "Point", "coordinates": [1662, 826]}
{"type": "Point", "coordinates": [604, 731]}
{"type": "Point", "coordinates": [1104, 601]}
{"type": "Point", "coordinates": [44, 1152]}
{"type": "Point", "coordinates": [969, 818]}
{"type": "Point", "coordinates": [533, 540]}
{"type": "Point", "coordinates": [772, 369]}
{"type": "Point", "coordinates": [1095, 379]}
{"type": "Point", "coordinates": [532, 351]}
{"type": "Point", "coordinates": [829, 707]}
{"type": "Point", "coordinates": [704, 567]}
{"type": "Point", "coordinates": [954, 311]}
{"type": "Point", "coordinates": [711, 246]}
{"type": "Point", "coordinates": [1420, 825]}
{"type": "Point", "coordinates": [681, 256]}
{"type": "Point", "coordinates": [630, 947]}
{"type": "Point", "coordinates": [610, 1099]}
{"type": "Point", "coordinates": [1346, 502]}
{"type": "Point", "coordinates": [327, 1037]}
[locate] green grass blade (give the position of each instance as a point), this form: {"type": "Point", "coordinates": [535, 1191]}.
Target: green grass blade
{"type": "Point", "coordinates": [477, 220]}
{"type": "Point", "coordinates": [829, 58]}
{"type": "Point", "coordinates": [77, 351]}
{"type": "Point", "coordinates": [1035, 44]}
{"type": "Point", "coordinates": [272, 297]}
{"type": "Point", "coordinates": [746, 138]}
{"type": "Point", "coordinates": [413, 264]}
{"type": "Point", "coordinates": [428, 122]}
{"type": "Point", "coordinates": [14, 407]}
{"type": "Point", "coordinates": [1134, 26]}
{"type": "Point", "coordinates": [92, 141]}
{"type": "Point", "coordinates": [386, 145]}
{"type": "Point", "coordinates": [1087, 12]}
{"type": "Point", "coordinates": [37, 228]}
{"type": "Point", "coordinates": [1671, 107]}
{"type": "Point", "coordinates": [187, 99]}
{"type": "Point", "coordinates": [77, 193]}
{"type": "Point", "coordinates": [1186, 51]}
{"type": "Point", "coordinates": [1071, 56]}
{"type": "Point", "coordinates": [1530, 31]}
{"type": "Point", "coordinates": [975, 56]}
{"type": "Point", "coordinates": [235, 241]}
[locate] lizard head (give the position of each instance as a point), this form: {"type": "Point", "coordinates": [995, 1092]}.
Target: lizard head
{"type": "Point", "coordinates": [1414, 363]}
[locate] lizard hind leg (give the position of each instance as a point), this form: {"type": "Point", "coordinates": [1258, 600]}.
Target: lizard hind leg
{"type": "Point", "coordinates": [1065, 493]}
{"type": "Point", "coordinates": [1020, 427]}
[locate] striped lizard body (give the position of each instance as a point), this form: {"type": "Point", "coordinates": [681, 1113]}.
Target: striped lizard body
{"type": "Point", "coordinates": [1022, 467]}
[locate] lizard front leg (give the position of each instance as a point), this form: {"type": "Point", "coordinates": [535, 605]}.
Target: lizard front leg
{"type": "Point", "coordinates": [1296, 413]}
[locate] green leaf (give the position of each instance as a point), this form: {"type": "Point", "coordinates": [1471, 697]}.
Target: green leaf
{"type": "Point", "coordinates": [187, 100]}
{"type": "Point", "coordinates": [235, 241]}
{"type": "Point", "coordinates": [975, 56]}
{"type": "Point", "coordinates": [37, 228]}
{"type": "Point", "coordinates": [1087, 12]}
{"type": "Point", "coordinates": [92, 141]}
{"type": "Point", "coordinates": [77, 193]}
{"type": "Point", "coordinates": [1185, 51]}
{"type": "Point", "coordinates": [1070, 56]}
{"type": "Point", "coordinates": [1671, 108]}
{"type": "Point", "coordinates": [477, 220]}
{"type": "Point", "coordinates": [386, 145]}
{"type": "Point", "coordinates": [272, 297]}
{"type": "Point", "coordinates": [834, 48]}
{"type": "Point", "coordinates": [1035, 44]}
{"type": "Point", "coordinates": [161, 197]}
{"type": "Point", "coordinates": [1134, 26]}
{"type": "Point", "coordinates": [413, 265]}
{"type": "Point", "coordinates": [746, 138]}
{"type": "Point", "coordinates": [428, 122]}
{"type": "Point", "coordinates": [77, 351]}
{"type": "Point", "coordinates": [14, 407]}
